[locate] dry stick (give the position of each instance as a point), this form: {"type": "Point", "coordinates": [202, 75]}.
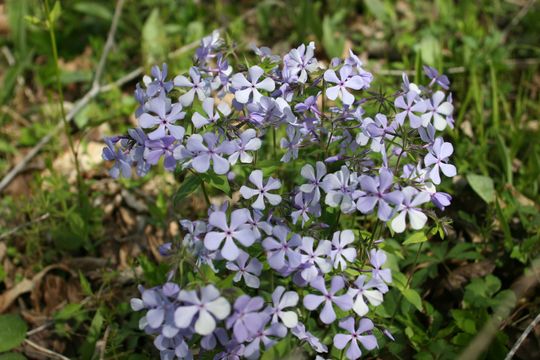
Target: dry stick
{"type": "Point", "coordinates": [485, 336]}
{"type": "Point", "coordinates": [45, 351]}
{"type": "Point", "coordinates": [17, 228]}
{"type": "Point", "coordinates": [94, 91]}
{"type": "Point", "coordinates": [522, 338]}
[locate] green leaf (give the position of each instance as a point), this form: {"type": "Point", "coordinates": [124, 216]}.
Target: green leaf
{"type": "Point", "coordinates": [413, 297]}
{"type": "Point", "coordinates": [94, 9]}
{"type": "Point", "coordinates": [483, 186]}
{"type": "Point", "coordinates": [85, 285]}
{"type": "Point", "coordinates": [217, 182]}
{"type": "Point", "coordinates": [154, 41]}
{"type": "Point", "coordinates": [12, 331]}
{"type": "Point", "coordinates": [417, 237]}
{"type": "Point", "coordinates": [188, 186]}
{"type": "Point", "coordinates": [17, 11]}
{"type": "Point", "coordinates": [68, 312]}
{"type": "Point", "coordinates": [12, 356]}
{"type": "Point", "coordinates": [55, 13]}
{"type": "Point", "coordinates": [430, 50]}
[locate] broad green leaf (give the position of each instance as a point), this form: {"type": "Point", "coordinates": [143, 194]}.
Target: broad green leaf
{"type": "Point", "coordinates": [417, 237]}
{"type": "Point", "coordinates": [217, 182]}
{"type": "Point", "coordinates": [94, 9]}
{"type": "Point", "coordinates": [413, 297]}
{"type": "Point", "coordinates": [430, 50]}
{"type": "Point", "coordinates": [483, 186]}
{"type": "Point", "coordinates": [154, 41]}
{"type": "Point", "coordinates": [12, 331]}
{"type": "Point", "coordinates": [188, 186]}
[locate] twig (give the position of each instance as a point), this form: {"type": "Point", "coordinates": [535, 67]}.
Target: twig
{"type": "Point", "coordinates": [92, 93]}
{"type": "Point", "coordinates": [521, 13]}
{"type": "Point", "coordinates": [39, 328]}
{"type": "Point", "coordinates": [19, 227]}
{"type": "Point", "coordinates": [482, 340]}
{"type": "Point", "coordinates": [102, 344]}
{"type": "Point", "coordinates": [47, 352]}
{"type": "Point", "coordinates": [523, 336]}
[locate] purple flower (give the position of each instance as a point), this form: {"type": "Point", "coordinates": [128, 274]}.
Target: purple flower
{"type": "Point", "coordinates": [208, 44]}
{"type": "Point", "coordinates": [173, 348]}
{"type": "Point", "coordinates": [155, 149]}
{"type": "Point", "coordinates": [300, 332]}
{"type": "Point", "coordinates": [441, 200]}
{"type": "Point", "coordinates": [159, 83]}
{"type": "Point", "coordinates": [436, 109]}
{"type": "Point", "coordinates": [256, 223]}
{"type": "Point", "coordinates": [356, 64]}
{"type": "Point", "coordinates": [247, 319]}
{"type": "Point", "coordinates": [341, 254]}
{"type": "Point", "coordinates": [345, 81]}
{"type": "Point", "coordinates": [261, 191]}
{"type": "Point", "coordinates": [247, 141]}
{"type": "Point", "coordinates": [433, 74]}
{"type": "Point", "coordinates": [165, 117]}
{"type": "Point", "coordinates": [211, 115]}
{"type": "Point", "coordinates": [281, 250]}
{"type": "Point", "coordinates": [196, 86]}
{"type": "Point", "coordinates": [339, 188]}
{"type": "Point", "coordinates": [245, 88]}
{"type": "Point", "coordinates": [344, 302]}
{"type": "Point", "coordinates": [160, 315]}
{"type": "Point", "coordinates": [291, 143]}
{"type": "Point", "coordinates": [376, 192]}
{"type": "Point", "coordinates": [235, 231]}
{"type": "Point", "coordinates": [206, 308]}
{"type": "Point", "coordinates": [412, 199]}
{"type": "Point", "coordinates": [122, 165]}
{"type": "Point", "coordinates": [304, 204]}
{"type": "Point", "coordinates": [252, 350]}
{"type": "Point", "coordinates": [310, 104]}
{"type": "Point", "coordinates": [233, 351]}
{"type": "Point", "coordinates": [249, 271]}
{"type": "Point", "coordinates": [437, 158]}
{"type": "Point", "coordinates": [300, 61]}
{"type": "Point", "coordinates": [315, 261]}
{"type": "Point", "coordinates": [314, 180]}
{"type": "Point", "coordinates": [363, 293]}
{"type": "Point", "coordinates": [210, 341]}
{"type": "Point", "coordinates": [410, 105]}
{"type": "Point", "coordinates": [355, 336]}
{"type": "Point", "coordinates": [212, 151]}
{"type": "Point", "coordinates": [377, 258]}
{"type": "Point", "coordinates": [281, 300]}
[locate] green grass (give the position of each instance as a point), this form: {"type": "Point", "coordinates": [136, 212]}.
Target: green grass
{"type": "Point", "coordinates": [489, 49]}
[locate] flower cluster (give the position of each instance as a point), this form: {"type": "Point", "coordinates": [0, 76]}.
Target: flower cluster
{"type": "Point", "coordinates": [334, 147]}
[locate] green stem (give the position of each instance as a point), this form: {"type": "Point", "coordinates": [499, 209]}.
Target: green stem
{"type": "Point", "coordinates": [206, 198]}
{"type": "Point", "coordinates": [274, 140]}
{"type": "Point", "coordinates": [50, 26]}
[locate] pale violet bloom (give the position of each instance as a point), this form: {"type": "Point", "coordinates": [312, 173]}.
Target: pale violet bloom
{"type": "Point", "coordinates": [261, 191]}
{"type": "Point", "coordinates": [314, 179]}
{"type": "Point", "coordinates": [341, 254]}
{"type": "Point", "coordinates": [246, 88]}
{"type": "Point", "coordinates": [208, 307]}
{"type": "Point", "coordinates": [300, 332]}
{"type": "Point", "coordinates": [437, 159]}
{"type": "Point", "coordinates": [291, 143]}
{"type": "Point", "coordinates": [281, 248]}
{"type": "Point", "coordinates": [267, 336]}
{"type": "Point", "coordinates": [377, 259]}
{"type": "Point", "coordinates": [315, 261]}
{"type": "Point", "coordinates": [301, 61]}
{"type": "Point", "coordinates": [339, 188]}
{"type": "Point", "coordinates": [236, 230]}
{"type": "Point", "coordinates": [355, 336]}
{"type": "Point", "coordinates": [437, 110]}
{"type": "Point", "coordinates": [164, 117]}
{"type": "Point", "coordinates": [328, 297]}
{"type": "Point", "coordinates": [212, 116]}
{"type": "Point", "coordinates": [212, 151]}
{"type": "Point", "coordinates": [250, 271]}
{"type": "Point", "coordinates": [412, 199]}
{"type": "Point", "coordinates": [410, 104]}
{"type": "Point", "coordinates": [376, 191]}
{"type": "Point", "coordinates": [196, 86]}
{"type": "Point", "coordinates": [345, 81]}
{"type": "Point", "coordinates": [364, 292]}
{"type": "Point", "coordinates": [247, 141]}
{"type": "Point", "coordinates": [281, 300]}
{"type": "Point", "coordinates": [247, 318]}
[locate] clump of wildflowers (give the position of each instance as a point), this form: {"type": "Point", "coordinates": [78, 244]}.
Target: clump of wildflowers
{"type": "Point", "coordinates": [307, 148]}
